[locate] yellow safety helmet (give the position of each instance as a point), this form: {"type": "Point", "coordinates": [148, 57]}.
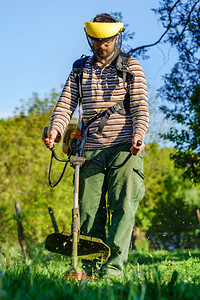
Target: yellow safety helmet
{"type": "Point", "coordinates": [100, 30]}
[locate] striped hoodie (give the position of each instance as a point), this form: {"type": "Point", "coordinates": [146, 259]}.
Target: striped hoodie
{"type": "Point", "coordinates": [101, 89]}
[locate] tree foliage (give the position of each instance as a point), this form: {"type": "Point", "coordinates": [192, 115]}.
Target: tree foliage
{"type": "Point", "coordinates": [181, 22]}
{"type": "Point", "coordinates": [181, 87]}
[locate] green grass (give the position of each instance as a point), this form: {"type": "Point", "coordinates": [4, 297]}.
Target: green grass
{"type": "Point", "coordinates": [148, 275]}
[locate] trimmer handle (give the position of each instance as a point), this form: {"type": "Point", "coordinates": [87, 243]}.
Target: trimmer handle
{"type": "Point", "coordinates": [139, 143]}
{"type": "Point", "coordinates": [46, 132]}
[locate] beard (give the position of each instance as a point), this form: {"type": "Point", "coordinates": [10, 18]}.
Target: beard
{"type": "Point", "coordinates": [103, 53]}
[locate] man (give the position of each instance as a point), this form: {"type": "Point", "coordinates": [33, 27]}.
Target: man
{"type": "Point", "coordinates": [108, 197]}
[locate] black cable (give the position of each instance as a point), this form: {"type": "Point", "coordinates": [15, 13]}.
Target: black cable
{"type": "Point", "coordinates": [53, 155]}
{"type": "Point", "coordinates": [114, 167]}
{"type": "Point", "coordinates": [110, 166]}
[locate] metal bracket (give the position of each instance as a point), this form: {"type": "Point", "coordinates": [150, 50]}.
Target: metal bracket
{"type": "Point", "coordinates": [77, 161]}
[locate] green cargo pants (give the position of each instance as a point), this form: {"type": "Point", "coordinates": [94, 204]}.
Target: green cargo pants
{"type": "Point", "coordinates": [109, 199]}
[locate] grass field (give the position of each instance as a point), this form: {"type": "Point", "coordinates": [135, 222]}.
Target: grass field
{"type": "Point", "coordinates": [148, 275]}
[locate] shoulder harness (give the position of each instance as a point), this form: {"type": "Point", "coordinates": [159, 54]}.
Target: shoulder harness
{"type": "Point", "coordinates": [121, 64]}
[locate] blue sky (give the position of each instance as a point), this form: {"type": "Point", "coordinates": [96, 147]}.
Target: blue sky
{"type": "Point", "coordinates": [40, 39]}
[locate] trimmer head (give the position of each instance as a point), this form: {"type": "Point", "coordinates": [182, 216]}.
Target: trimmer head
{"type": "Point", "coordinates": [89, 248]}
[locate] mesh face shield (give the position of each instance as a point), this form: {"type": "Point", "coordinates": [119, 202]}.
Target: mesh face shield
{"type": "Point", "coordinates": [104, 33]}
{"type": "Point", "coordinates": [117, 45]}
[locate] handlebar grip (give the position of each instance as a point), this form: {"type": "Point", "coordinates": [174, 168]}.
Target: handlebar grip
{"type": "Point", "coordinates": [46, 132]}
{"type": "Point", "coordinates": [139, 143]}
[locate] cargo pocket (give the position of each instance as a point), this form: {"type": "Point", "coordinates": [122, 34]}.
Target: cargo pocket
{"type": "Point", "coordinates": [140, 173]}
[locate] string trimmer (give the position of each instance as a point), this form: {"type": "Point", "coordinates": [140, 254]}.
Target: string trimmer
{"type": "Point", "coordinates": [74, 244]}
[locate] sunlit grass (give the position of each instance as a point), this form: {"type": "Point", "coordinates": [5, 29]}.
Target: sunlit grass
{"type": "Point", "coordinates": [148, 275]}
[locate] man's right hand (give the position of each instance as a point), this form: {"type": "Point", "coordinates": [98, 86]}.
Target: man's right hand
{"type": "Point", "coordinates": [49, 142]}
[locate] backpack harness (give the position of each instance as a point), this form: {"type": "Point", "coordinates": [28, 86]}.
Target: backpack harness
{"type": "Point", "coordinates": [122, 108]}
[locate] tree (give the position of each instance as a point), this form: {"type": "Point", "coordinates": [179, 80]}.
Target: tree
{"type": "Point", "coordinates": [181, 87]}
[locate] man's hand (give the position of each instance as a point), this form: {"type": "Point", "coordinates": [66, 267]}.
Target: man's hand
{"type": "Point", "coordinates": [49, 142]}
{"type": "Point", "coordinates": [135, 150]}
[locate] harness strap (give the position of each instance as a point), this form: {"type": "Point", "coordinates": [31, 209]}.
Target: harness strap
{"type": "Point", "coordinates": [122, 68]}
{"type": "Point", "coordinates": [118, 107]}
{"type": "Point", "coordinates": [77, 68]}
